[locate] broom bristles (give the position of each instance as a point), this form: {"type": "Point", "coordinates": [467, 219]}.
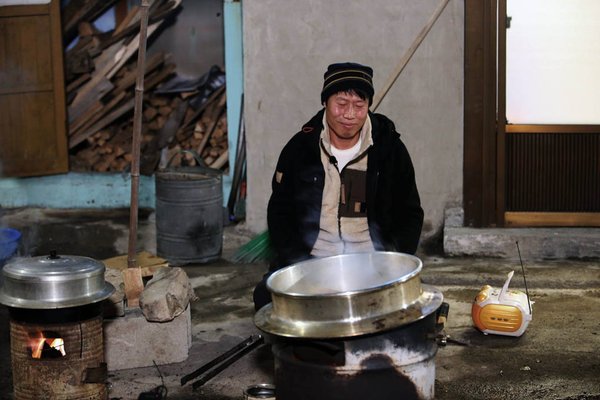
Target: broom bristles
{"type": "Point", "coordinates": [257, 249]}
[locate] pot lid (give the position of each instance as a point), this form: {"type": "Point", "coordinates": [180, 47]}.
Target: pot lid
{"type": "Point", "coordinates": [53, 281]}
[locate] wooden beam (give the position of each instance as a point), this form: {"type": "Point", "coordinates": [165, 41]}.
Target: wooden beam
{"type": "Point", "coordinates": [522, 128]}
{"type": "Point", "coordinates": [530, 219]}
{"type": "Point", "coordinates": [80, 137]}
{"type": "Point", "coordinates": [409, 53]}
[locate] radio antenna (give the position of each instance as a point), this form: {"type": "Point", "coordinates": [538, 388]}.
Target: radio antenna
{"type": "Point", "coordinates": [524, 280]}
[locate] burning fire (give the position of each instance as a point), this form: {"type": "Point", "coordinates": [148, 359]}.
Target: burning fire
{"type": "Point", "coordinates": [41, 345]}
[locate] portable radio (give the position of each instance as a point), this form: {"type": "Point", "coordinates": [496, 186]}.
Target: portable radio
{"type": "Point", "coordinates": [501, 312]}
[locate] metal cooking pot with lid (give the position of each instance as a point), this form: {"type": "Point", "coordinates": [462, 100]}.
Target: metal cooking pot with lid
{"type": "Point", "coordinates": [49, 282]}
{"type": "Point", "coordinates": [347, 295]}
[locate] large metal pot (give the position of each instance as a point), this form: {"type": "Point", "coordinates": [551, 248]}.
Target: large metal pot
{"type": "Point", "coordinates": [50, 282]}
{"type": "Point", "coordinates": [347, 295]}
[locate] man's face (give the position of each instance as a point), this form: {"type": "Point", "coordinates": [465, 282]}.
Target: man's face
{"type": "Point", "coordinates": [345, 113]}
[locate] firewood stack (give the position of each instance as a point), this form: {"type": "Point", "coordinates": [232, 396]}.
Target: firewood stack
{"type": "Point", "coordinates": [101, 74]}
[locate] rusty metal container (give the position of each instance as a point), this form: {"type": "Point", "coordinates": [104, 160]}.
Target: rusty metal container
{"type": "Point", "coordinates": [189, 214]}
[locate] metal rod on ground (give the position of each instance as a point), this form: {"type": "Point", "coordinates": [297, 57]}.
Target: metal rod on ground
{"type": "Point", "coordinates": [220, 358]}
{"type": "Point", "coordinates": [219, 368]}
{"type": "Point", "coordinates": [409, 53]}
{"type": "Point", "coordinates": [132, 276]}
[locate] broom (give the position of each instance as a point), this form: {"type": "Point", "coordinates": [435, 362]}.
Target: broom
{"type": "Point", "coordinates": [259, 248]}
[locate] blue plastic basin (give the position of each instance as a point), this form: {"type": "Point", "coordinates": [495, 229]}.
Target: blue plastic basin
{"type": "Point", "coordinates": [9, 242]}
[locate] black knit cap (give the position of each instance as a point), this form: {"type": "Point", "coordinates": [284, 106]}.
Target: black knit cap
{"type": "Point", "coordinates": [346, 76]}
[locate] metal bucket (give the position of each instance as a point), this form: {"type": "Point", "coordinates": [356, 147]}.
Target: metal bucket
{"type": "Point", "coordinates": [189, 214]}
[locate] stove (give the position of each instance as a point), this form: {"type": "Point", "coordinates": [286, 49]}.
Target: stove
{"type": "Point", "coordinates": [353, 327]}
{"type": "Point", "coordinates": [390, 365]}
{"type": "Point", "coordinates": [56, 335]}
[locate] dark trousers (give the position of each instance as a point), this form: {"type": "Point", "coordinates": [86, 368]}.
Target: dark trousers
{"type": "Point", "coordinates": [261, 295]}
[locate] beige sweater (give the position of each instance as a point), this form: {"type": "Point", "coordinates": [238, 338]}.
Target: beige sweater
{"type": "Point", "coordinates": [343, 225]}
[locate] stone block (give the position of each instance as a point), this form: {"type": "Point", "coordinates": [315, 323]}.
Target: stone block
{"type": "Point", "coordinates": [133, 342]}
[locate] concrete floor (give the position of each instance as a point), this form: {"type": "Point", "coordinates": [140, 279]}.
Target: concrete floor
{"type": "Point", "coordinates": [557, 358]}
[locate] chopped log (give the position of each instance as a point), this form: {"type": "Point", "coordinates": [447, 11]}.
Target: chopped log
{"type": "Point", "coordinates": [158, 101]}
{"type": "Point", "coordinates": [200, 109]}
{"type": "Point", "coordinates": [150, 113]}
{"type": "Point", "coordinates": [157, 123]}
{"type": "Point", "coordinates": [209, 133]}
{"type": "Point", "coordinates": [221, 160]}
{"type": "Point", "coordinates": [165, 110]}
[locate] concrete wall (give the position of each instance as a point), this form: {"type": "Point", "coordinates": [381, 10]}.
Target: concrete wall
{"type": "Point", "coordinates": [287, 47]}
{"type": "Point", "coordinates": [194, 39]}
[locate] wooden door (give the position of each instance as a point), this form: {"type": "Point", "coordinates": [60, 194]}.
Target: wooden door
{"type": "Point", "coordinates": [32, 94]}
{"type": "Point", "coordinates": [519, 175]}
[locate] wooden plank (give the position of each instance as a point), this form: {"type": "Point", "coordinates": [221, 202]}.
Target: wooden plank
{"type": "Point", "coordinates": [159, 76]}
{"type": "Point", "coordinates": [98, 114]}
{"type": "Point", "coordinates": [409, 53]}
{"type": "Point", "coordinates": [479, 169]}
{"type": "Point", "coordinates": [501, 118]}
{"type": "Point", "coordinates": [129, 79]}
{"type": "Point", "coordinates": [90, 94]}
{"type": "Point", "coordinates": [76, 139]}
{"type": "Point", "coordinates": [33, 139]}
{"type": "Point", "coordinates": [130, 19]}
{"type": "Point", "coordinates": [519, 128]}
{"type": "Point", "coordinates": [132, 280]}
{"type": "Point", "coordinates": [25, 10]}
{"type": "Point", "coordinates": [32, 88]}
{"type": "Point", "coordinates": [78, 82]}
{"type": "Point", "coordinates": [148, 262]}
{"type": "Point", "coordinates": [126, 52]}
{"type": "Point", "coordinates": [111, 60]}
{"type": "Point", "coordinates": [524, 219]}
{"type": "Point", "coordinates": [84, 118]}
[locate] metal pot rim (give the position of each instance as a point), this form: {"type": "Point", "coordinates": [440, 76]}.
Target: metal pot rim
{"type": "Point", "coordinates": [429, 301]}
{"type": "Point", "coordinates": [54, 282]}
{"type": "Point", "coordinates": [312, 262]}
{"type": "Point", "coordinates": [64, 303]}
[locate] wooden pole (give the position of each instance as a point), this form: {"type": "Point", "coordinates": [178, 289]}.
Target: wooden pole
{"type": "Point", "coordinates": [132, 276]}
{"type": "Point", "coordinates": [409, 53]}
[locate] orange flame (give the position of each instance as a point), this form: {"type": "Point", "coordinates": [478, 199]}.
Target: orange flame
{"type": "Point", "coordinates": [37, 346]}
